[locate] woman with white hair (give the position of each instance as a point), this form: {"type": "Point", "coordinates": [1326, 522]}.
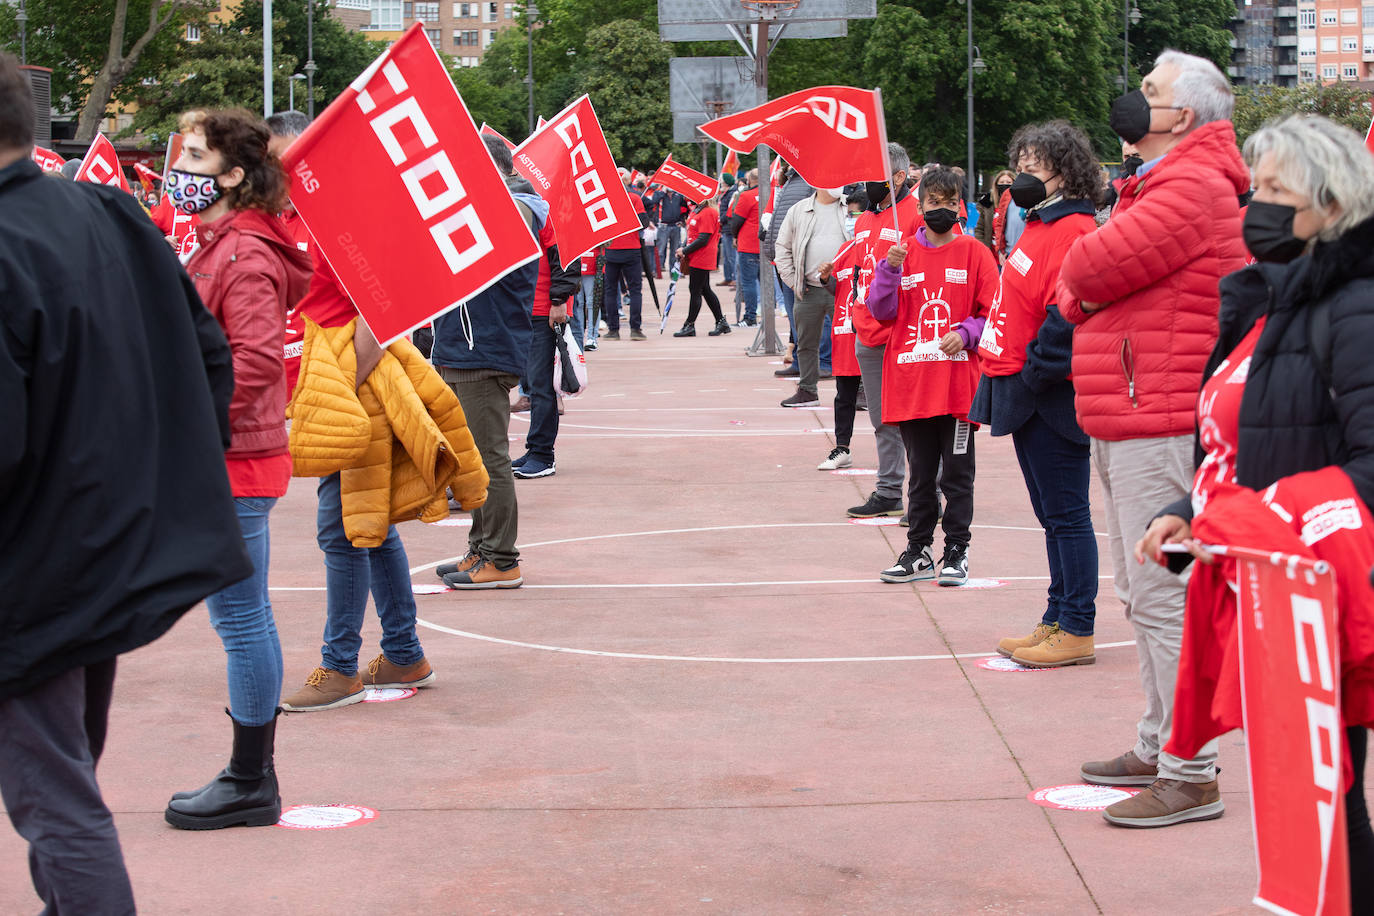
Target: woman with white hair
{"type": "Point", "coordinates": [1289, 389]}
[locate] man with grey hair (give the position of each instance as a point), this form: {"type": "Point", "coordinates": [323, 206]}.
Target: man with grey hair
{"type": "Point", "coordinates": [1142, 292]}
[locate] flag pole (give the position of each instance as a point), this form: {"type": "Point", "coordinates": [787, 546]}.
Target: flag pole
{"type": "Point", "coordinates": [887, 159]}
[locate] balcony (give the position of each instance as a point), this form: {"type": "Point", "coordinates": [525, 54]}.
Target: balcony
{"type": "Point", "coordinates": [1286, 41]}
{"type": "Point", "coordinates": [1286, 12]}
{"type": "Point", "coordinates": [1287, 69]}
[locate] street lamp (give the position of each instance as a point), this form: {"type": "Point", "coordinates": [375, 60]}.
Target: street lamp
{"type": "Point", "coordinates": [975, 65]}
{"type": "Point", "coordinates": [310, 67]}
{"type": "Point", "coordinates": [1129, 16]}
{"type": "Point", "coordinates": [531, 14]}
{"type": "Point", "coordinates": [22, 18]}
{"type": "Point", "coordinates": [292, 92]}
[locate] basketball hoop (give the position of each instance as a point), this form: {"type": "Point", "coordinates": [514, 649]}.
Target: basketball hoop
{"type": "Point", "coordinates": [768, 8]}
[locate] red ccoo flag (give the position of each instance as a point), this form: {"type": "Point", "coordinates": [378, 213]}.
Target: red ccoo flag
{"type": "Point", "coordinates": [146, 176]}
{"type": "Point", "coordinates": [1369, 137]}
{"type": "Point", "coordinates": [101, 165]}
{"type": "Point", "coordinates": [493, 132]}
{"type": "Point", "coordinates": [832, 135]}
{"type": "Point", "coordinates": [571, 167]}
{"type": "Point", "coordinates": [46, 159]}
{"type": "Point", "coordinates": [690, 183]}
{"type": "Point", "coordinates": [423, 240]}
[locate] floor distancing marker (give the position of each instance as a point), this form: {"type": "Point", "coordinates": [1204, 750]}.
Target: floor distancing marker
{"type": "Point", "coordinates": [1080, 797]}
{"type": "Point", "coordinates": [325, 817]}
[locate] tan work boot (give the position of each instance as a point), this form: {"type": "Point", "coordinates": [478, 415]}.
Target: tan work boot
{"type": "Point", "coordinates": [382, 672]}
{"type": "Point", "coordinates": [469, 560]}
{"type": "Point", "coordinates": [484, 574]}
{"type": "Point", "coordinates": [1126, 770]}
{"type": "Point", "coordinates": [1166, 802]}
{"type": "Point", "coordinates": [1007, 646]}
{"type": "Point", "coordinates": [1059, 650]}
{"type": "Point", "coordinates": [325, 689]}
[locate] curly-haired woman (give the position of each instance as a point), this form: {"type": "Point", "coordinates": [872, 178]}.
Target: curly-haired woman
{"type": "Point", "coordinates": [1025, 390]}
{"type": "Point", "coordinates": [249, 272]}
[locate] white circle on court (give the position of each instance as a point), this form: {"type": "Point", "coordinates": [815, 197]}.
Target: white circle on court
{"type": "Point", "coordinates": [854, 472]}
{"type": "Point", "coordinates": [454, 522]}
{"type": "Point", "coordinates": [1080, 797]}
{"type": "Point", "coordinates": [325, 817]}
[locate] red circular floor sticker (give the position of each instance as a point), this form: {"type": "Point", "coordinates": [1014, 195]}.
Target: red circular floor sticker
{"type": "Point", "coordinates": [1080, 797]}
{"type": "Point", "coordinates": [388, 694]}
{"type": "Point", "coordinates": [998, 663]}
{"type": "Point", "coordinates": [325, 817]}
{"type": "Point", "coordinates": [428, 589]}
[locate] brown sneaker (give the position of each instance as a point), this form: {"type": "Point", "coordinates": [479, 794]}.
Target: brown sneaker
{"type": "Point", "coordinates": [485, 575]}
{"type": "Point", "coordinates": [1126, 770]}
{"type": "Point", "coordinates": [521, 405]}
{"type": "Point", "coordinates": [325, 689]}
{"type": "Point", "coordinates": [1168, 801]}
{"type": "Point", "coordinates": [1007, 646]}
{"type": "Point", "coordinates": [469, 560]}
{"type": "Point", "coordinates": [1059, 650]}
{"type": "Point", "coordinates": [382, 672]}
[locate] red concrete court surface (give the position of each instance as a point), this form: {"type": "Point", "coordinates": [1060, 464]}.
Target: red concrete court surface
{"type": "Point", "coordinates": [702, 701]}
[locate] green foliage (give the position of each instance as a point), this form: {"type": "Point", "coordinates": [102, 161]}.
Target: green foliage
{"type": "Point", "coordinates": [494, 91]}
{"type": "Point", "coordinates": [1343, 103]}
{"type": "Point", "coordinates": [1192, 26]}
{"type": "Point", "coordinates": [625, 74]}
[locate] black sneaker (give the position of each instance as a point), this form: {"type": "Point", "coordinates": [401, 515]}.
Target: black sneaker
{"type": "Point", "coordinates": [910, 567]}
{"type": "Point", "coordinates": [787, 372]}
{"type": "Point", "coordinates": [802, 398]}
{"type": "Point", "coordinates": [534, 467]}
{"type": "Point", "coordinates": [861, 401]}
{"type": "Point", "coordinates": [954, 565]}
{"type": "Point", "coordinates": [876, 506]}
{"type": "Point", "coordinates": [637, 334]}
{"type": "Point", "coordinates": [517, 463]}
{"type": "Point", "coordinates": [905, 520]}
{"type": "Point", "coordinates": [611, 335]}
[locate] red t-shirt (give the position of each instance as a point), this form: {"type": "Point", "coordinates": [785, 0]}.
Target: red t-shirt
{"type": "Point", "coordinates": [295, 324]}
{"type": "Point", "coordinates": [1218, 419]}
{"type": "Point", "coordinates": [541, 285]}
{"type": "Point", "coordinates": [326, 302]}
{"type": "Point", "coordinates": [842, 358]}
{"type": "Point", "coordinates": [588, 263]}
{"type": "Point", "coordinates": [268, 476]}
{"type": "Point", "coordinates": [707, 219]}
{"type": "Point", "coordinates": [747, 206]}
{"type": "Point", "coordinates": [1027, 290]}
{"type": "Point", "coordinates": [940, 287]}
{"type": "Point", "coordinates": [630, 241]}
{"type": "Point", "coordinates": [874, 234]}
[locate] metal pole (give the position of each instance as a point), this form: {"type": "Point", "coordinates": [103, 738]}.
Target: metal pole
{"type": "Point", "coordinates": [1126, 46]}
{"type": "Point", "coordinates": [310, 59]}
{"type": "Point", "coordinates": [530, 13]}
{"type": "Point", "coordinates": [972, 176]}
{"type": "Point", "coordinates": [23, 19]}
{"type": "Point", "coordinates": [768, 326]}
{"type": "Point", "coordinates": [291, 95]}
{"type": "Point", "coordinates": [266, 58]}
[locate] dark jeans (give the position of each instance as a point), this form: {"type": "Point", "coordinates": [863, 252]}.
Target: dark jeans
{"type": "Point", "coordinates": [626, 264]}
{"type": "Point", "coordinates": [350, 574]}
{"type": "Point", "coordinates": [938, 449]}
{"type": "Point", "coordinates": [699, 286]}
{"type": "Point", "coordinates": [1056, 472]}
{"type": "Point", "coordinates": [486, 405]}
{"type": "Point", "coordinates": [53, 736]}
{"type": "Point", "coordinates": [1358, 833]}
{"type": "Point", "coordinates": [727, 257]}
{"type": "Point", "coordinates": [747, 280]}
{"type": "Point", "coordinates": [540, 388]}
{"type": "Point", "coordinates": [846, 406]}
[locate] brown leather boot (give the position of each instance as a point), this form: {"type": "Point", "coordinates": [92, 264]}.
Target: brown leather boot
{"type": "Point", "coordinates": [1059, 650]}
{"type": "Point", "coordinates": [1007, 646]}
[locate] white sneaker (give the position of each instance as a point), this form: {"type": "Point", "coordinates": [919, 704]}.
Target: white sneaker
{"type": "Point", "coordinates": [839, 458]}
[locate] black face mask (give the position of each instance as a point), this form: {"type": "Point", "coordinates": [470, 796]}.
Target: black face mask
{"type": "Point", "coordinates": [1130, 117]}
{"type": "Point", "coordinates": [1027, 191]}
{"type": "Point", "coordinates": [941, 220]}
{"type": "Point", "coordinates": [1131, 164]}
{"type": "Point", "coordinates": [1002, 189]}
{"type": "Point", "coordinates": [876, 191]}
{"type": "Point", "coordinates": [1268, 232]}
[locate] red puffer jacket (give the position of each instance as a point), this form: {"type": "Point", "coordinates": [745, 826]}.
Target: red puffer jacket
{"type": "Point", "coordinates": [249, 272]}
{"type": "Point", "coordinates": [1155, 266]}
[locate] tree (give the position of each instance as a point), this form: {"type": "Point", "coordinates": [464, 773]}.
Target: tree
{"type": "Point", "coordinates": [1192, 26]}
{"type": "Point", "coordinates": [101, 50]}
{"type": "Point", "coordinates": [625, 70]}
{"type": "Point", "coordinates": [1343, 103]}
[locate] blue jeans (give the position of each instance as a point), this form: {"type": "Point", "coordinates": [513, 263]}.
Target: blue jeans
{"type": "Point", "coordinates": [350, 572]}
{"type": "Point", "coordinates": [825, 349]}
{"type": "Point", "coordinates": [1056, 472]}
{"type": "Point", "coordinates": [543, 401]}
{"type": "Point", "coordinates": [748, 282]}
{"type": "Point", "coordinates": [727, 257]}
{"type": "Point", "coordinates": [784, 296]}
{"type": "Point", "coordinates": [668, 242]}
{"type": "Point", "coordinates": [587, 317]}
{"type": "Point", "coordinates": [242, 616]}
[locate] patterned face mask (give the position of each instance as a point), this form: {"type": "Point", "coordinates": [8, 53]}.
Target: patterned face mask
{"type": "Point", "coordinates": [191, 193]}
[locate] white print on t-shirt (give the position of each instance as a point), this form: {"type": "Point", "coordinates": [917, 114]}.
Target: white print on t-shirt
{"type": "Point", "coordinates": [844, 322]}
{"type": "Point", "coordinates": [911, 281]}
{"type": "Point", "coordinates": [889, 235]}
{"type": "Point", "coordinates": [1215, 464]}
{"type": "Point", "coordinates": [956, 276]}
{"type": "Point", "coordinates": [1328, 518]}
{"type": "Point", "coordinates": [993, 329]}
{"type": "Point", "coordinates": [923, 337]}
{"type": "Point", "coordinates": [1021, 261]}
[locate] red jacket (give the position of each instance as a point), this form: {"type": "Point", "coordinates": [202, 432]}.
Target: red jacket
{"type": "Point", "coordinates": [1155, 265]}
{"type": "Point", "coordinates": [249, 273]}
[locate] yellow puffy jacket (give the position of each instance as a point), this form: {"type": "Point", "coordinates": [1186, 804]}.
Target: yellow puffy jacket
{"type": "Point", "coordinates": [398, 441]}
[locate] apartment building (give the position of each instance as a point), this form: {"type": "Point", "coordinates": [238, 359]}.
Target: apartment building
{"type": "Point", "coordinates": [1286, 43]}
{"type": "Point", "coordinates": [463, 30]}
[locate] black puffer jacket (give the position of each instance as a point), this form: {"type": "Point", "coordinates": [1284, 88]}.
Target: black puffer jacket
{"type": "Point", "coordinates": [1290, 421]}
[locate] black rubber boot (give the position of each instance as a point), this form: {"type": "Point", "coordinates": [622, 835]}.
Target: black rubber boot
{"type": "Point", "coordinates": [722, 327]}
{"type": "Point", "coordinates": [245, 792]}
{"type": "Point", "coordinates": [687, 331]}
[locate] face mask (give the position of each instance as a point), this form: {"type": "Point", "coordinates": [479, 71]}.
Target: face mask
{"type": "Point", "coordinates": [849, 222]}
{"type": "Point", "coordinates": [1131, 164]}
{"type": "Point", "coordinates": [1130, 117]}
{"type": "Point", "coordinates": [1002, 189]}
{"type": "Point", "coordinates": [876, 191]}
{"type": "Point", "coordinates": [1027, 191]}
{"type": "Point", "coordinates": [191, 193]}
{"type": "Point", "coordinates": [1268, 232]}
{"type": "Point", "coordinates": [941, 220]}
{"type": "Point", "coordinates": [835, 192]}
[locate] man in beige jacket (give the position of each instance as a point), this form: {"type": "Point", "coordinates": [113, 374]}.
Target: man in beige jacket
{"type": "Point", "coordinates": [811, 235]}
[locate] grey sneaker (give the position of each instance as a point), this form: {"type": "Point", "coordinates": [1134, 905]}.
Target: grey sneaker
{"type": "Point", "coordinates": [910, 567]}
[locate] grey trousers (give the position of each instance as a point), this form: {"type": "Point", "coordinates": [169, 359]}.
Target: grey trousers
{"type": "Point", "coordinates": [809, 312]}
{"type": "Point", "coordinates": [51, 738]}
{"type": "Point", "coordinates": [1139, 477]}
{"type": "Point", "coordinates": [486, 405]}
{"type": "Point", "coordinates": [891, 453]}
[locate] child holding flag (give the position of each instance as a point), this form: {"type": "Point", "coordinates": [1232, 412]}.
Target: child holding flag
{"type": "Point", "coordinates": [937, 287]}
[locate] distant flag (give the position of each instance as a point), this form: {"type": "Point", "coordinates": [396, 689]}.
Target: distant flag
{"type": "Point", "coordinates": [174, 143]}
{"type": "Point", "coordinates": [635, 175]}
{"type": "Point", "coordinates": [146, 176]}
{"type": "Point", "coordinates": [493, 132]}
{"type": "Point", "coordinates": [1369, 137]}
{"type": "Point", "coordinates": [540, 122]}
{"type": "Point", "coordinates": [47, 160]}
{"type": "Point", "coordinates": [731, 166]}
{"type": "Point", "coordinates": [690, 183]}
{"type": "Point", "coordinates": [101, 165]}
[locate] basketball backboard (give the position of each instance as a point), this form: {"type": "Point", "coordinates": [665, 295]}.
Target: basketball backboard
{"type": "Point", "coordinates": [701, 89]}
{"type": "Point", "coordinates": [710, 20]}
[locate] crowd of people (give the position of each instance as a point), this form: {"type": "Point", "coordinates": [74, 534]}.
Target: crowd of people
{"type": "Point", "coordinates": [1101, 323]}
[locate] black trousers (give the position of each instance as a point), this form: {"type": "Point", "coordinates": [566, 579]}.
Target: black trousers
{"type": "Point", "coordinates": [1359, 836]}
{"type": "Point", "coordinates": [846, 405]}
{"type": "Point", "coordinates": [929, 442]}
{"type": "Point", "coordinates": [52, 737]}
{"type": "Point", "coordinates": [699, 286]}
{"type": "Point", "coordinates": [623, 266]}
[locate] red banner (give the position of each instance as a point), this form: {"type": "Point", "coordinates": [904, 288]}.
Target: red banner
{"type": "Point", "coordinates": [1291, 688]}
{"type": "Point", "coordinates": [493, 132]}
{"type": "Point", "coordinates": [101, 165]}
{"type": "Point", "coordinates": [731, 166]}
{"type": "Point", "coordinates": [47, 160]}
{"type": "Point", "coordinates": [690, 183]}
{"type": "Point", "coordinates": [146, 176]}
{"type": "Point", "coordinates": [376, 180]}
{"type": "Point", "coordinates": [571, 167]}
{"type": "Point", "coordinates": [1369, 137]}
{"type": "Point", "coordinates": [832, 135]}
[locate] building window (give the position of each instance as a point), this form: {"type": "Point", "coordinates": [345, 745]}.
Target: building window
{"type": "Point", "coordinates": [425, 12]}
{"type": "Point", "coordinates": [1369, 46]}
{"type": "Point", "coordinates": [1369, 18]}
{"type": "Point", "coordinates": [1329, 45]}
{"type": "Point", "coordinates": [435, 36]}
{"type": "Point", "coordinates": [491, 12]}
{"type": "Point", "coordinates": [1350, 43]}
{"type": "Point", "coordinates": [1307, 19]}
{"type": "Point", "coordinates": [193, 32]}
{"type": "Point", "coordinates": [467, 37]}
{"type": "Point", "coordinates": [1350, 17]}
{"type": "Point", "coordinates": [488, 36]}
{"type": "Point", "coordinates": [1307, 46]}
{"type": "Point", "coordinates": [1328, 17]}
{"type": "Point", "coordinates": [1328, 71]}
{"type": "Point", "coordinates": [386, 16]}
{"type": "Point", "coordinates": [1350, 72]}
{"type": "Point", "coordinates": [1307, 72]}
{"type": "Point", "coordinates": [510, 10]}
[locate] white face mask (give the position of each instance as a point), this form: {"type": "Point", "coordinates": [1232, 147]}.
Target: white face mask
{"type": "Point", "coordinates": [835, 192]}
{"type": "Point", "coordinates": [849, 221]}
